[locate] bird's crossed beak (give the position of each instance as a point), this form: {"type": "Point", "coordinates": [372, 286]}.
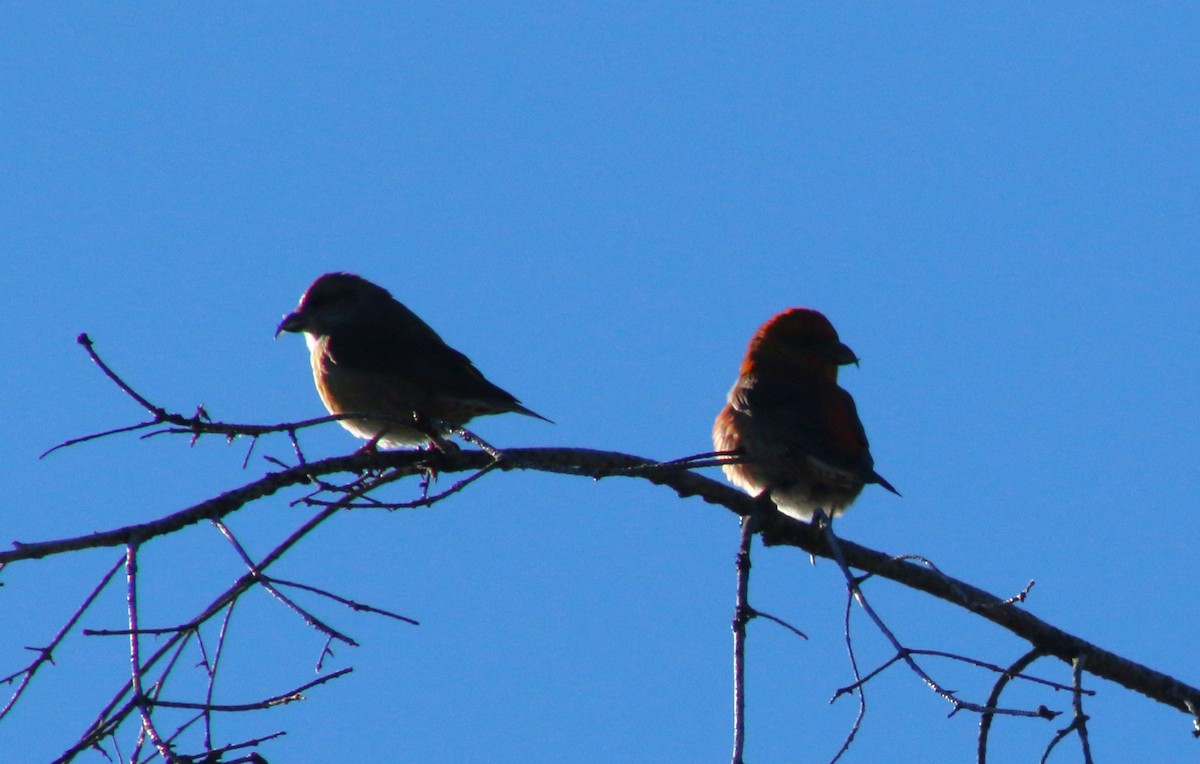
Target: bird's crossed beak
{"type": "Point", "coordinates": [292, 322]}
{"type": "Point", "coordinates": [842, 355]}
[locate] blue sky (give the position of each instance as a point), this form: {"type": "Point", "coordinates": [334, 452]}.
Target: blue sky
{"type": "Point", "coordinates": [995, 205]}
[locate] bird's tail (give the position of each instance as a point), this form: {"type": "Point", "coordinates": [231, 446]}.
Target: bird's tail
{"type": "Point", "coordinates": [877, 478]}
{"type": "Point", "coordinates": [529, 412]}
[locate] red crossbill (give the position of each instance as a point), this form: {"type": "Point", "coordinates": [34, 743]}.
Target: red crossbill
{"type": "Point", "coordinates": [795, 430]}
{"type": "Point", "coordinates": [372, 355]}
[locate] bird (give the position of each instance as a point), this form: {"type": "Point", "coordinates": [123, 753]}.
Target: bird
{"type": "Point", "coordinates": [371, 355]}
{"type": "Point", "coordinates": [795, 433]}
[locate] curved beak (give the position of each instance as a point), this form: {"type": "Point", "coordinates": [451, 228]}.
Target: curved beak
{"type": "Point", "coordinates": [292, 322]}
{"type": "Point", "coordinates": [842, 355]}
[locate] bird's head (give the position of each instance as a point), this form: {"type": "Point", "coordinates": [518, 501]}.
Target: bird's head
{"type": "Point", "coordinates": [798, 337]}
{"type": "Point", "coordinates": [332, 300]}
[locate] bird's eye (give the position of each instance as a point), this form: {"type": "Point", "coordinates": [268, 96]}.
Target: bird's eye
{"type": "Point", "coordinates": [323, 298]}
{"type": "Point", "coordinates": [314, 301]}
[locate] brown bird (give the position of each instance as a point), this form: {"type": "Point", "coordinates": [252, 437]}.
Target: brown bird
{"type": "Point", "coordinates": [372, 355]}
{"type": "Point", "coordinates": [797, 432]}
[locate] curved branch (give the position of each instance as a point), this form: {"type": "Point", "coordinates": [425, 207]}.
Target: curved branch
{"type": "Point", "coordinates": [1050, 639]}
{"type": "Point", "coordinates": [776, 529]}
{"type": "Point", "coordinates": [216, 507]}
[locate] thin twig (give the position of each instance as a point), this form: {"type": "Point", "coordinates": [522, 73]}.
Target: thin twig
{"type": "Point", "coordinates": [212, 671]}
{"type": "Point", "coordinates": [424, 501]}
{"type": "Point", "coordinates": [250, 450]}
{"type": "Point", "coordinates": [1079, 719]}
{"type": "Point", "coordinates": [111, 717]}
{"type": "Point", "coordinates": [756, 613]}
{"type": "Point", "coordinates": [217, 754]}
{"type": "Point", "coordinates": [174, 736]}
{"type": "Point", "coordinates": [97, 436]}
{"type": "Point", "coordinates": [278, 700]}
{"type": "Point", "coordinates": [695, 461]}
{"type": "Point", "coordinates": [87, 344]}
{"type": "Point", "coordinates": [859, 683]}
{"type": "Point", "coordinates": [45, 654]}
{"type": "Point", "coordinates": [265, 583]}
{"type": "Point", "coordinates": [360, 607]}
{"type": "Point", "coordinates": [135, 661]}
{"type": "Point", "coordinates": [996, 669]}
{"type": "Point", "coordinates": [199, 423]}
{"type": "Point", "coordinates": [993, 700]}
{"type": "Point", "coordinates": [742, 613]}
{"type": "Point", "coordinates": [475, 440]}
{"type": "Point", "coordinates": [108, 720]}
{"type": "Point", "coordinates": [903, 653]}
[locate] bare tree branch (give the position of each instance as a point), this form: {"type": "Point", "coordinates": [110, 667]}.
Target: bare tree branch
{"type": "Point", "coordinates": [993, 700]}
{"type": "Point", "coordinates": [290, 696]}
{"type": "Point", "coordinates": [372, 470]}
{"type": "Point", "coordinates": [1079, 720]}
{"type": "Point", "coordinates": [45, 654]}
{"type": "Point", "coordinates": [903, 653]}
{"type": "Point", "coordinates": [742, 614]}
{"type": "Point", "coordinates": [776, 530]}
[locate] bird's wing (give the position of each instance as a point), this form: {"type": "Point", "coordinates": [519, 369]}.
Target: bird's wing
{"type": "Point", "coordinates": [815, 418]}
{"type": "Point", "coordinates": [399, 344]}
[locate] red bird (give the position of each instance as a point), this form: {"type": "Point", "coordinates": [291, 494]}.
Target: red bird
{"type": "Point", "coordinates": [797, 431]}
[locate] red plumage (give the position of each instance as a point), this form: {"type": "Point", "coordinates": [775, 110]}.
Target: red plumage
{"type": "Point", "coordinates": [797, 433]}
